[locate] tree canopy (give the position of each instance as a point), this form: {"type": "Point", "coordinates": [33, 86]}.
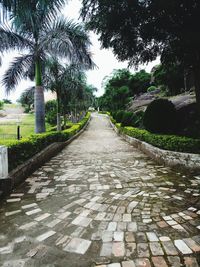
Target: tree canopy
{"type": "Point", "coordinates": [140, 30]}
{"type": "Point", "coordinates": [172, 77]}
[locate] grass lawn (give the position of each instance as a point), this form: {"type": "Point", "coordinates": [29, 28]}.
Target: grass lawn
{"type": "Point", "coordinates": [26, 127]}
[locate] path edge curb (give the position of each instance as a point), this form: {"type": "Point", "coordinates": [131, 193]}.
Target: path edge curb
{"type": "Point", "coordinates": [19, 174]}
{"type": "Point", "coordinates": [177, 160]}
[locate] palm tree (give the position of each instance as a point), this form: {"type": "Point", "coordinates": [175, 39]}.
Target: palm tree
{"type": "Point", "coordinates": [23, 8]}
{"type": "Point", "coordinates": [61, 38]}
{"type": "Point", "coordinates": [63, 79]}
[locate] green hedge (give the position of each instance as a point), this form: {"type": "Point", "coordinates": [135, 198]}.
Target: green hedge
{"type": "Point", "coordinates": [166, 142]}
{"type": "Point", "coordinates": [20, 151]}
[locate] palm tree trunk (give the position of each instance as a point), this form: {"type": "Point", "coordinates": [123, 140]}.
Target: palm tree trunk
{"type": "Point", "coordinates": [39, 100]}
{"type": "Point", "coordinates": [59, 127]}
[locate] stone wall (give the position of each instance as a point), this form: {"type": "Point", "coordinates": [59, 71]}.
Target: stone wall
{"type": "Point", "coordinates": [182, 161]}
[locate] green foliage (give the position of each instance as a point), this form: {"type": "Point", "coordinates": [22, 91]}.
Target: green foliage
{"type": "Point", "coordinates": [140, 31]}
{"type": "Point", "coordinates": [36, 32]}
{"type": "Point", "coordinates": [139, 119]}
{"type": "Point", "coordinates": [117, 92]}
{"type": "Point", "coordinates": [160, 117]}
{"type": "Point", "coordinates": [119, 116]}
{"type": "Point", "coordinates": [7, 101]}
{"type": "Point", "coordinates": [151, 88]}
{"type": "Point", "coordinates": [139, 82]}
{"type": "Point", "coordinates": [27, 99]}
{"type": "Point", "coordinates": [122, 85]}
{"type": "Point", "coordinates": [20, 151]}
{"type": "Point", "coordinates": [128, 119]}
{"type": "Point", "coordinates": [170, 76]}
{"type": "Point", "coordinates": [167, 142]}
{"type": "Point", "coordinates": [51, 112]}
{"type": "Point", "coordinates": [1, 104]}
{"type": "Point", "coordinates": [69, 83]}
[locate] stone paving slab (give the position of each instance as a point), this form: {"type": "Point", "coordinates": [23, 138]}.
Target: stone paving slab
{"type": "Point", "coordinates": [101, 202]}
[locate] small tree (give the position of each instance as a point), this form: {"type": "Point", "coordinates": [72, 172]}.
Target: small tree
{"type": "Point", "coordinates": [51, 111]}
{"type": "Point", "coordinates": [27, 99]}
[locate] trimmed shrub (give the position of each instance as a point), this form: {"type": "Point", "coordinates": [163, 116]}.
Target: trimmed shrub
{"type": "Point", "coordinates": [167, 142]}
{"type": "Point", "coordinates": [54, 128]}
{"type": "Point", "coordinates": [20, 151]}
{"type": "Point", "coordinates": [113, 114]}
{"type": "Point", "coordinates": [129, 119]}
{"type": "Point", "coordinates": [119, 115]}
{"type": "Point", "coordinates": [161, 117]}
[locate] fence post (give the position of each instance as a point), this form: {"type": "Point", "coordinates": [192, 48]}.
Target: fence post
{"type": "Point", "coordinates": [18, 133]}
{"type": "Point", "coordinates": [3, 162]}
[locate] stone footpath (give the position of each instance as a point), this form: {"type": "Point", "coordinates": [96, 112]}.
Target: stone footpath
{"type": "Point", "coordinates": [101, 202]}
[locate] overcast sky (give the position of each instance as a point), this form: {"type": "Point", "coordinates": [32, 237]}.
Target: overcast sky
{"type": "Point", "coordinates": [104, 59]}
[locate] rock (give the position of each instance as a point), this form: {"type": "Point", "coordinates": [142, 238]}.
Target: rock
{"type": "Point", "coordinates": [141, 102]}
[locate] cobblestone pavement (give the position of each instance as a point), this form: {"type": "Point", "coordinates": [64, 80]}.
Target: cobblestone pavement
{"type": "Point", "coordinates": [101, 202]}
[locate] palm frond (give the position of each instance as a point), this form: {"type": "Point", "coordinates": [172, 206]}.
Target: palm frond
{"type": "Point", "coordinates": [35, 14]}
{"type": "Point", "coordinates": [68, 39]}
{"type": "Point", "coordinates": [24, 8]}
{"type": "Point", "coordinates": [12, 40]}
{"type": "Point", "coordinates": [16, 72]}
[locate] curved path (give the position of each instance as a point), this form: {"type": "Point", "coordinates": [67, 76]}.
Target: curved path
{"type": "Point", "coordinates": [101, 202]}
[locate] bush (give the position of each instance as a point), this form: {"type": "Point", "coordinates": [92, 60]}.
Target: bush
{"type": "Point", "coordinates": [51, 112]}
{"type": "Point", "coordinates": [51, 117]}
{"type": "Point", "coordinates": [113, 114]}
{"type": "Point", "coordinates": [119, 115]}
{"type": "Point", "coordinates": [151, 88]}
{"type": "Point", "coordinates": [167, 142]}
{"type": "Point", "coordinates": [129, 119]}
{"type": "Point", "coordinates": [161, 117]}
{"type": "Point", "coordinates": [54, 128]}
{"type": "Point", "coordinates": [27, 109]}
{"type": "Point", "coordinates": [20, 151]}
{"type": "Point", "coordinates": [139, 120]}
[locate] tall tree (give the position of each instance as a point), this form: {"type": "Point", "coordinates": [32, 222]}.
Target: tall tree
{"type": "Point", "coordinates": [117, 92]}
{"type": "Point", "coordinates": [139, 31]}
{"type": "Point", "coordinates": [61, 79]}
{"type": "Point", "coordinates": [37, 37]}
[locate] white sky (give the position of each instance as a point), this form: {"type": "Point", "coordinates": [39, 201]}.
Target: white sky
{"type": "Point", "coordinates": [104, 59]}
